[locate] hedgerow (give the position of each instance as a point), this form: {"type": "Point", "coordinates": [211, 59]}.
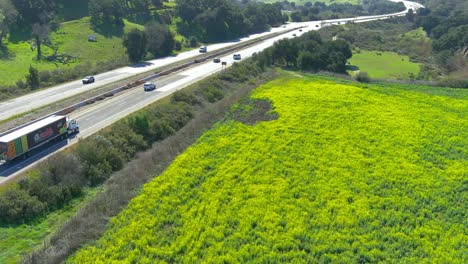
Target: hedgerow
{"type": "Point", "coordinates": [348, 173]}
{"type": "Point", "coordinates": [94, 159]}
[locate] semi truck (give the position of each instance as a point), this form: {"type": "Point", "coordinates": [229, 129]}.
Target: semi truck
{"type": "Point", "coordinates": [18, 143]}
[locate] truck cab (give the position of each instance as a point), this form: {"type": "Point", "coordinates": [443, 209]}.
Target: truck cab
{"type": "Point", "coordinates": [73, 127]}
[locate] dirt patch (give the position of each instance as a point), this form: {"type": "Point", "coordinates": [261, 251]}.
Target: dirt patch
{"type": "Point", "coordinates": [251, 111]}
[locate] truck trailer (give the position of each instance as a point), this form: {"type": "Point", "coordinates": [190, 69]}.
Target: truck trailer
{"type": "Point", "coordinates": [18, 142]}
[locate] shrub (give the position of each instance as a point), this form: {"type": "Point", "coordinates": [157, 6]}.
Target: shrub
{"type": "Point", "coordinates": [363, 77]}
{"type": "Point", "coordinates": [178, 45]}
{"type": "Point", "coordinates": [18, 206]}
{"type": "Point", "coordinates": [186, 97]}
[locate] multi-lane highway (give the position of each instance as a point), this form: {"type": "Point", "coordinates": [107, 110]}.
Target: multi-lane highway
{"type": "Point", "coordinates": [100, 115]}
{"type": "Point", "coordinates": [45, 97]}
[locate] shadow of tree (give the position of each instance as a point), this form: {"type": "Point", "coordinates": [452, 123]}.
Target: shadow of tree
{"type": "Point", "coordinates": [352, 68]}
{"type": "Point", "coordinates": [6, 54]}
{"type": "Point", "coordinates": [20, 33]}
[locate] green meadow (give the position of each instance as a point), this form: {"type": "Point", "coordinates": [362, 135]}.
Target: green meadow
{"type": "Point", "coordinates": [18, 241]}
{"type": "Point", "coordinates": [384, 65]}
{"type": "Point", "coordinates": [347, 173]}
{"type": "Point", "coordinates": [72, 39]}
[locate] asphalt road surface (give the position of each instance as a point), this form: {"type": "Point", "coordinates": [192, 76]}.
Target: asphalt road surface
{"type": "Point", "coordinates": [47, 96]}
{"type": "Point", "coordinates": [101, 114]}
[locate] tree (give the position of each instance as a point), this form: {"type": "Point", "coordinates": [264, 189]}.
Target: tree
{"type": "Point", "coordinates": [105, 13]}
{"type": "Point", "coordinates": [17, 205]}
{"type": "Point", "coordinates": [188, 10]}
{"type": "Point", "coordinates": [37, 15]}
{"type": "Point", "coordinates": [33, 78]}
{"type": "Point", "coordinates": [8, 16]}
{"type": "Point", "coordinates": [135, 42]}
{"type": "Point", "coordinates": [40, 32]}
{"type": "Point", "coordinates": [160, 39]}
{"type": "Point", "coordinates": [410, 15]}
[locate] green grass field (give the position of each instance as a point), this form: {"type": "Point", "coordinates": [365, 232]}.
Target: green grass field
{"type": "Point", "coordinates": [72, 39]}
{"type": "Point", "coordinates": [348, 173]}
{"type": "Point", "coordinates": [387, 65]}
{"type": "Point", "coordinates": [17, 241]}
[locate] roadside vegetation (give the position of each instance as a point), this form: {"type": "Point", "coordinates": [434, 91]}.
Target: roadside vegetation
{"type": "Point", "coordinates": [411, 227]}
{"type": "Point", "coordinates": [309, 11]}
{"type": "Point", "coordinates": [383, 65]}
{"type": "Point", "coordinates": [194, 110]}
{"type": "Point", "coordinates": [431, 37]}
{"type": "Point", "coordinates": [347, 173]}
{"type": "Point", "coordinates": [16, 241]}
{"type": "Point", "coordinates": [93, 160]}
{"type": "Point", "coordinates": [67, 40]}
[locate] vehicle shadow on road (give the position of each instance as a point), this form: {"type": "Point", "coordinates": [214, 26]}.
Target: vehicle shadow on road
{"type": "Point", "coordinates": [142, 64]}
{"type": "Point", "coordinates": [18, 164]}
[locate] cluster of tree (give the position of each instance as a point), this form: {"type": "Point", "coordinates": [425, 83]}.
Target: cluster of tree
{"type": "Point", "coordinates": [35, 16]}
{"type": "Point", "coordinates": [93, 160]}
{"type": "Point", "coordinates": [446, 22]}
{"type": "Point", "coordinates": [321, 11]}
{"type": "Point", "coordinates": [156, 39]}
{"type": "Point", "coordinates": [105, 13]}
{"type": "Point", "coordinates": [222, 19]}
{"type": "Point", "coordinates": [308, 52]}
{"type": "Point", "coordinates": [40, 16]}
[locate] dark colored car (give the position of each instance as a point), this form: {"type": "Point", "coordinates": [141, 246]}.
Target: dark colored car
{"type": "Point", "coordinates": [236, 56]}
{"type": "Point", "coordinates": [216, 60]}
{"type": "Point", "coordinates": [149, 86]}
{"type": "Point", "coordinates": [88, 79]}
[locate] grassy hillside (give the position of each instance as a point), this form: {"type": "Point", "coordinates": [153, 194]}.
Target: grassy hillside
{"type": "Point", "coordinates": [72, 39]}
{"type": "Point", "coordinates": [16, 241]}
{"type": "Point", "coordinates": [385, 65]}
{"type": "Point", "coordinates": [347, 173]}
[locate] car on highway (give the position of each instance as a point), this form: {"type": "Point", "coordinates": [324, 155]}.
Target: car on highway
{"type": "Point", "coordinates": [203, 49]}
{"type": "Point", "coordinates": [294, 35]}
{"type": "Point", "coordinates": [300, 30]}
{"type": "Point", "coordinates": [148, 86]}
{"type": "Point", "coordinates": [88, 79]}
{"type": "Point", "coordinates": [216, 60]}
{"type": "Point", "coordinates": [236, 56]}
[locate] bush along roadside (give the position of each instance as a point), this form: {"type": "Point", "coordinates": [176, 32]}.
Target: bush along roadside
{"type": "Point", "coordinates": [91, 162]}
{"type": "Point", "coordinates": [209, 100]}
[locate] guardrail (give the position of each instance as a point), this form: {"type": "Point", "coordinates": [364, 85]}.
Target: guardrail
{"type": "Point", "coordinates": [115, 91]}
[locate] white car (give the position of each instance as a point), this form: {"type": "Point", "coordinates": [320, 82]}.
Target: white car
{"type": "Point", "coordinates": [236, 56]}
{"type": "Point", "coordinates": [149, 86]}
{"type": "Point", "coordinates": [203, 49]}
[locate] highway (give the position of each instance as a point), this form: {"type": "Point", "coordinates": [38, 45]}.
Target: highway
{"type": "Point", "coordinates": [100, 115]}
{"type": "Point", "coordinates": [48, 96]}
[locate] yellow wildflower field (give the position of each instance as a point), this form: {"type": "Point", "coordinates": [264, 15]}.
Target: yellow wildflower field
{"type": "Point", "coordinates": [348, 173]}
